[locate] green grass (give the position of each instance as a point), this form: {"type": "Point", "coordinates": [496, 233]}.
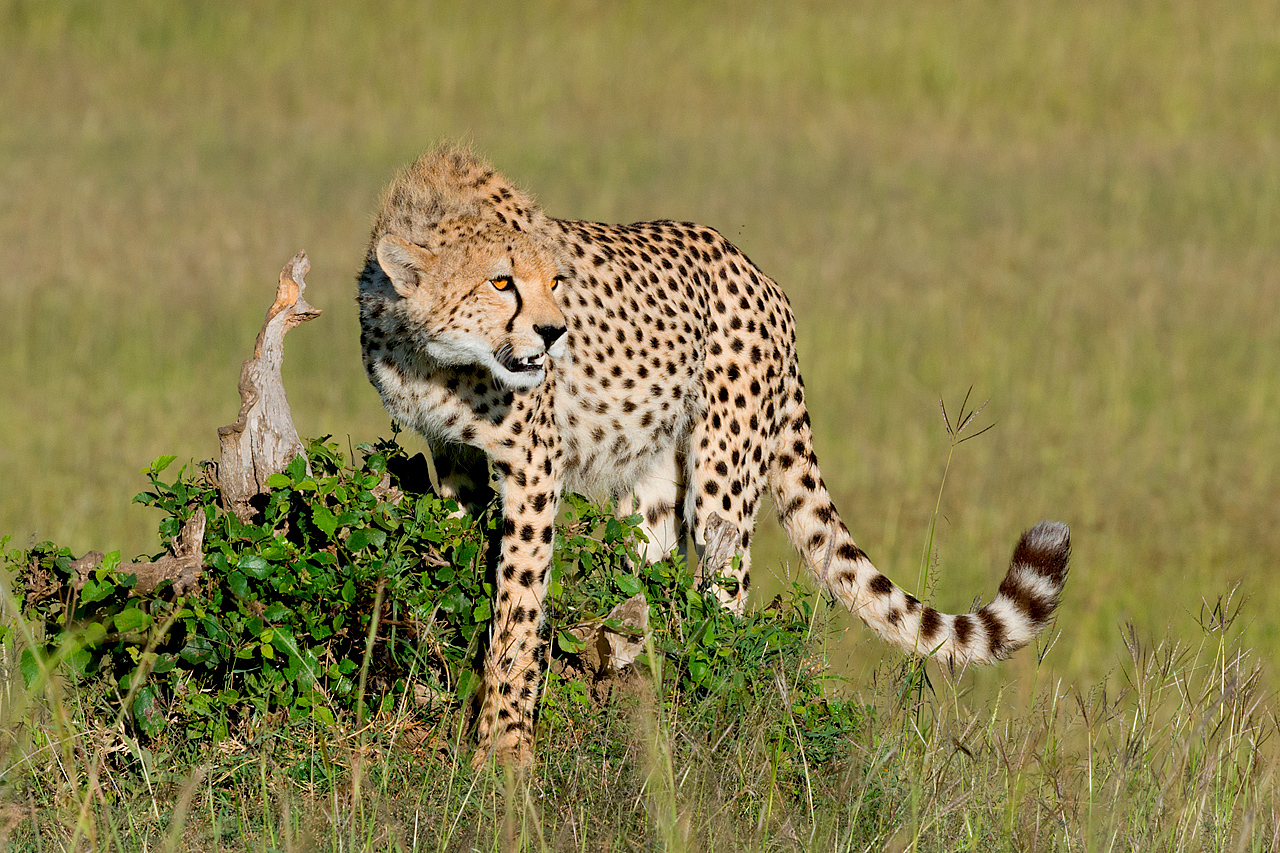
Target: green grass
{"type": "Point", "coordinates": [1181, 757]}
{"type": "Point", "coordinates": [1071, 207]}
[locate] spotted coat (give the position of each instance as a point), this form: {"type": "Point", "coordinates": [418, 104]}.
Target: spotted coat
{"type": "Point", "coordinates": [651, 363]}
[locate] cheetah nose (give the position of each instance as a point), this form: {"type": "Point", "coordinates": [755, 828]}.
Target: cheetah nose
{"type": "Point", "coordinates": [549, 334]}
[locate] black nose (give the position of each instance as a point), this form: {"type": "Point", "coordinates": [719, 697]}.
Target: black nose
{"type": "Point", "coordinates": [549, 334]}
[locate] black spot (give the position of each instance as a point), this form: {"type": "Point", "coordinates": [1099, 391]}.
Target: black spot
{"type": "Point", "coordinates": [994, 629]}
{"type": "Point", "coordinates": [880, 585]}
{"type": "Point", "coordinates": [849, 551]}
{"type": "Point", "coordinates": [930, 624]}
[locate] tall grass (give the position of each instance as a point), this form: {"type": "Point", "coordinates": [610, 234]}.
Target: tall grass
{"type": "Point", "coordinates": [1182, 756]}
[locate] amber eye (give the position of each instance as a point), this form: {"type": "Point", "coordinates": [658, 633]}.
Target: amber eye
{"type": "Point", "coordinates": [555, 282]}
{"type": "Point", "coordinates": [501, 282]}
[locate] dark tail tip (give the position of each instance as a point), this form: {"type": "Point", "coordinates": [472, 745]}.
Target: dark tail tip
{"type": "Point", "coordinates": [1045, 549]}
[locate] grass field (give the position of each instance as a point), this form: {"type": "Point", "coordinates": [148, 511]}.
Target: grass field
{"type": "Point", "coordinates": [1073, 208]}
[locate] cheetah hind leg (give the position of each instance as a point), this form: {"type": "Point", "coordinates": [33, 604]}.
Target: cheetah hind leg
{"type": "Point", "coordinates": [723, 499]}
{"type": "Point", "coordinates": [655, 499]}
{"type": "Point", "coordinates": [715, 559]}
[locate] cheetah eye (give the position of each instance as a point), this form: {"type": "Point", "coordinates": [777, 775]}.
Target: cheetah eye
{"type": "Point", "coordinates": [501, 282]}
{"type": "Point", "coordinates": [555, 282]}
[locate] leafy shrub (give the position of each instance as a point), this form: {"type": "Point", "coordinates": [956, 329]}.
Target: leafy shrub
{"type": "Point", "coordinates": [280, 621]}
{"type": "Point", "coordinates": [282, 612]}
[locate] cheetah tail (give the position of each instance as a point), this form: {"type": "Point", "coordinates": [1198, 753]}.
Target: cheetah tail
{"type": "Point", "coordinates": [1025, 602]}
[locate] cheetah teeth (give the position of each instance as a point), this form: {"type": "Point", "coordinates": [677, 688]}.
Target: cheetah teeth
{"type": "Point", "coordinates": [528, 364]}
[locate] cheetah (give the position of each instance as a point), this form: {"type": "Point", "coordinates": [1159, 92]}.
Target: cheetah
{"type": "Point", "coordinates": [652, 364]}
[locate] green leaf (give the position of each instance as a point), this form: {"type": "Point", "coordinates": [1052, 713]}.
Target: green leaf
{"type": "Point", "coordinates": [697, 671]}
{"type": "Point", "coordinates": [283, 640]}
{"type": "Point", "coordinates": [364, 537]}
{"type": "Point", "coordinates": [629, 584]}
{"type": "Point", "coordinates": [96, 590]}
{"type": "Point", "coordinates": [255, 566]}
{"type": "Point", "coordinates": [274, 553]}
{"type": "Point", "coordinates": [132, 619]}
{"type": "Point", "coordinates": [29, 666]}
{"type": "Point", "coordinates": [78, 661]}
{"type": "Point", "coordinates": [569, 643]}
{"type": "Point", "coordinates": [324, 520]}
{"type": "Point", "coordinates": [279, 481]}
{"type": "Point", "coordinates": [453, 601]}
{"type": "Point", "coordinates": [198, 650]}
{"type": "Point", "coordinates": [239, 584]}
{"type": "Point", "coordinates": [276, 612]}
{"type": "Point", "coordinates": [323, 715]}
{"type": "Point", "coordinates": [147, 711]}
{"type": "Point", "coordinates": [297, 469]}
{"type": "Point", "coordinates": [159, 465]}
{"type": "Point", "coordinates": [468, 681]}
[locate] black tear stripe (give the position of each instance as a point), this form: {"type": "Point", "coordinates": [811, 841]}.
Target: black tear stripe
{"type": "Point", "coordinates": [511, 324]}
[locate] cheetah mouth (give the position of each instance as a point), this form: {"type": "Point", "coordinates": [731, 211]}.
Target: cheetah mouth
{"type": "Point", "coordinates": [527, 364]}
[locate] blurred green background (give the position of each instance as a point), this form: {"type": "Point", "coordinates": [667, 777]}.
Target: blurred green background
{"type": "Point", "coordinates": [1072, 207]}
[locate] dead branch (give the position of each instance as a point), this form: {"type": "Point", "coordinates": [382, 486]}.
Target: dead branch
{"type": "Point", "coordinates": [263, 440]}
{"type": "Point", "coordinates": [182, 565]}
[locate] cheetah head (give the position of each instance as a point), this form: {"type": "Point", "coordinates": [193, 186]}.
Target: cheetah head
{"type": "Point", "coordinates": [488, 300]}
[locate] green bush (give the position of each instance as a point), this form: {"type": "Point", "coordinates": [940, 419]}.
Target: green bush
{"type": "Point", "coordinates": [282, 621]}
{"type": "Point", "coordinates": [282, 612]}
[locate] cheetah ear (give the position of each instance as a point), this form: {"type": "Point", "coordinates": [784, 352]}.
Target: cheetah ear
{"type": "Point", "coordinates": [403, 262]}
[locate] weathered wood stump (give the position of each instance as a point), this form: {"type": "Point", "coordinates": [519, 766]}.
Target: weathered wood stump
{"type": "Point", "coordinates": [263, 440]}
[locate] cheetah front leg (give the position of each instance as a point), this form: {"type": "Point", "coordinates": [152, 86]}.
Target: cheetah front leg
{"type": "Point", "coordinates": [519, 633]}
